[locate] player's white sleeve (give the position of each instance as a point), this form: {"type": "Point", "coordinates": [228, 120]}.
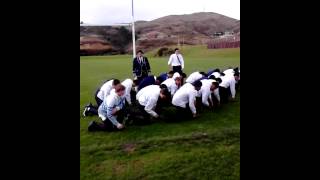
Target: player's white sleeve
{"type": "Point", "coordinates": [150, 106]}
{"type": "Point", "coordinates": [192, 98]}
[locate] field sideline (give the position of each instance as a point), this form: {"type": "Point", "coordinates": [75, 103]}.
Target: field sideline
{"type": "Point", "coordinates": [205, 148]}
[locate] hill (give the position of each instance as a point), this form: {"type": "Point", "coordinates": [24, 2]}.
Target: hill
{"type": "Point", "coordinates": [191, 29]}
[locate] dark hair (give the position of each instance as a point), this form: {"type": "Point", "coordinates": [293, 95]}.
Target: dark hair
{"type": "Point", "coordinates": [176, 49]}
{"type": "Point", "coordinates": [217, 70]}
{"type": "Point", "coordinates": [197, 83]}
{"type": "Point", "coordinates": [236, 69]}
{"type": "Point", "coordinates": [236, 73]}
{"type": "Point", "coordinates": [171, 72]}
{"type": "Point", "coordinates": [184, 75]}
{"type": "Point", "coordinates": [165, 92]}
{"type": "Point", "coordinates": [212, 77]}
{"type": "Point", "coordinates": [219, 80]}
{"type": "Point", "coordinates": [203, 73]}
{"type": "Point", "coordinates": [119, 88]}
{"type": "Point", "coordinates": [159, 78]}
{"type": "Point", "coordinates": [140, 51]}
{"type": "Point", "coordinates": [216, 84]}
{"type": "Point", "coordinates": [163, 86]}
{"type": "Point", "coordinates": [116, 82]}
{"type": "Point", "coordinates": [222, 74]}
{"type": "Point", "coordinates": [135, 82]}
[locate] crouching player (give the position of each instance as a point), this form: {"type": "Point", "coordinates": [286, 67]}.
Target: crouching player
{"type": "Point", "coordinates": [111, 111]}
{"type": "Point", "coordinates": [185, 98]}
{"type": "Point", "coordinates": [149, 100]}
{"type": "Point", "coordinates": [209, 87]}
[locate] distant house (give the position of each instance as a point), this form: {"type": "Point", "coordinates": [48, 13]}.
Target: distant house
{"type": "Point", "coordinates": [228, 33]}
{"type": "Point", "coordinates": [216, 34]}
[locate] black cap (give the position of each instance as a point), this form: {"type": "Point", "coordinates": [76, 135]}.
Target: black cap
{"type": "Point", "coordinates": [140, 51]}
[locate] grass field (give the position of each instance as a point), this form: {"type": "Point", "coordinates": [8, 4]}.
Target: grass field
{"type": "Point", "coordinates": [205, 148]}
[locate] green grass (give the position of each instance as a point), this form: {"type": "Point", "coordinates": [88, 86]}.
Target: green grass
{"type": "Point", "coordinates": [205, 148]}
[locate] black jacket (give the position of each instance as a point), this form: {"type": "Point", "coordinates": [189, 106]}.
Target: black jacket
{"type": "Point", "coordinates": [141, 69]}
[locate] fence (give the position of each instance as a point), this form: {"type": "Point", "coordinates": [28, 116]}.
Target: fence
{"type": "Point", "coordinates": [230, 42]}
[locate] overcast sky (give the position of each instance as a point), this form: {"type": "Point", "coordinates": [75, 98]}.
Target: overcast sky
{"type": "Point", "coordinates": [106, 12]}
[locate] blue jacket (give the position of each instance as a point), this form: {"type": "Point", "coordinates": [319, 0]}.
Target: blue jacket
{"type": "Point", "coordinates": [141, 69]}
{"type": "Point", "coordinates": [163, 77]}
{"type": "Point", "coordinates": [150, 80]}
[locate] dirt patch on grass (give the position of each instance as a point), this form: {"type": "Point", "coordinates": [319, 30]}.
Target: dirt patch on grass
{"type": "Point", "coordinates": [129, 147]}
{"type": "Point", "coordinates": [118, 168]}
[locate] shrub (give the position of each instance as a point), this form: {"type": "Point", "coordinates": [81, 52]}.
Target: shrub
{"type": "Point", "coordinates": [164, 51]}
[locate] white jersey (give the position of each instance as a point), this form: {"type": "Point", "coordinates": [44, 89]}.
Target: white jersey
{"type": "Point", "coordinates": [105, 90]}
{"type": "Point", "coordinates": [186, 94]}
{"type": "Point", "coordinates": [128, 85]}
{"type": "Point", "coordinates": [171, 84]}
{"type": "Point", "coordinates": [229, 82]}
{"type": "Point", "coordinates": [228, 72]}
{"type": "Point", "coordinates": [148, 97]}
{"type": "Point", "coordinates": [216, 74]}
{"type": "Point", "coordinates": [205, 91]}
{"type": "Point", "coordinates": [194, 77]}
{"type": "Point", "coordinates": [176, 60]}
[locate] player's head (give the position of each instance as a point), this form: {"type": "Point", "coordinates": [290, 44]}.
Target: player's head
{"type": "Point", "coordinates": [158, 81]}
{"type": "Point", "coordinates": [214, 85]}
{"type": "Point", "coordinates": [203, 73]}
{"type": "Point", "coordinates": [177, 80]}
{"type": "Point", "coordinates": [140, 53]}
{"type": "Point", "coordinates": [170, 74]}
{"type": "Point", "coordinates": [197, 85]}
{"type": "Point", "coordinates": [176, 50]}
{"type": "Point", "coordinates": [164, 93]}
{"type": "Point", "coordinates": [211, 77]}
{"type": "Point", "coordinates": [219, 80]}
{"type": "Point", "coordinates": [236, 69]}
{"type": "Point", "coordinates": [115, 82]}
{"type": "Point", "coordinates": [237, 76]}
{"type": "Point", "coordinates": [120, 89]}
{"type": "Point", "coordinates": [217, 70]}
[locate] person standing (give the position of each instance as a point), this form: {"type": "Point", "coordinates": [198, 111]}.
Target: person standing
{"type": "Point", "coordinates": [141, 67]}
{"type": "Point", "coordinates": [176, 62]}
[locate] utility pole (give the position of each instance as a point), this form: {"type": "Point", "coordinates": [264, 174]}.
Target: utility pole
{"type": "Point", "coordinates": [133, 33]}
